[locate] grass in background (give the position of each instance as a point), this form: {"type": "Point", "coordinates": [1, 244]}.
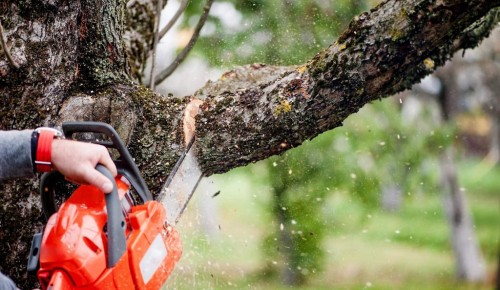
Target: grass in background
{"type": "Point", "coordinates": [367, 248]}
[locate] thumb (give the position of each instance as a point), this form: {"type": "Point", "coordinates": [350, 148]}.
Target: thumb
{"type": "Point", "coordinates": [107, 186]}
{"type": "Point", "coordinates": [99, 180]}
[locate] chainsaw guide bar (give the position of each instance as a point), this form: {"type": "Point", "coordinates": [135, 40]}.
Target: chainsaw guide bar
{"type": "Point", "coordinates": [181, 184]}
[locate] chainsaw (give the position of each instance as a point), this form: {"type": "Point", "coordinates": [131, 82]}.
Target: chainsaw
{"type": "Point", "coordinates": [119, 240]}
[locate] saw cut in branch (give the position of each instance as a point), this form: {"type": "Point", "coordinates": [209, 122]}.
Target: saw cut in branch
{"type": "Point", "coordinates": [181, 56]}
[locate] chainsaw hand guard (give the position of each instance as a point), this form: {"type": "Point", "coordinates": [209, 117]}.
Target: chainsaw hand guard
{"type": "Point", "coordinates": [125, 163]}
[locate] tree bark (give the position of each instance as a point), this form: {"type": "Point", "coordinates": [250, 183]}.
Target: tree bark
{"type": "Point", "coordinates": [80, 60]}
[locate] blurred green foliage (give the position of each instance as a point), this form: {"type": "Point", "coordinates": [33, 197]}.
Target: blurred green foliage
{"type": "Point", "coordinates": [375, 148]}
{"type": "Point", "coordinates": [281, 32]}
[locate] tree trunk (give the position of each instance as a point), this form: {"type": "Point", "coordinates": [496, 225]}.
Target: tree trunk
{"type": "Point", "coordinates": [391, 197]}
{"type": "Point", "coordinates": [78, 60]}
{"type": "Point", "coordinates": [469, 261]}
{"type": "Point", "coordinates": [494, 151]}
{"type": "Point", "coordinates": [290, 275]}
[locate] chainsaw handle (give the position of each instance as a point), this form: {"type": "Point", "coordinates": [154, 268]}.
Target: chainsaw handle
{"type": "Point", "coordinates": [125, 163]}
{"type": "Point", "coordinates": [117, 244]}
{"type": "Point", "coordinates": [47, 192]}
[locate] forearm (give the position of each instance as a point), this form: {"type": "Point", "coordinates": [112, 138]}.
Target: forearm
{"type": "Point", "coordinates": [15, 154]}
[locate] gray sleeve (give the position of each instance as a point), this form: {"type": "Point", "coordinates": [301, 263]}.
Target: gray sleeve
{"type": "Point", "coordinates": [6, 283]}
{"type": "Point", "coordinates": [15, 154]}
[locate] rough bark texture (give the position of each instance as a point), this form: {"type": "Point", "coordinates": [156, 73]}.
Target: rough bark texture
{"type": "Point", "coordinates": [73, 66]}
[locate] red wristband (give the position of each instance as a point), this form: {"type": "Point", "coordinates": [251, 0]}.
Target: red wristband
{"type": "Point", "coordinates": [44, 150]}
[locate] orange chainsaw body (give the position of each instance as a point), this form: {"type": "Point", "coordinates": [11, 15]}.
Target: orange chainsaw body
{"type": "Point", "coordinates": [74, 250]}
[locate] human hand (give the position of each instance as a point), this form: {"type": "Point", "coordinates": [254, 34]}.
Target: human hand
{"type": "Point", "coordinates": [77, 161]}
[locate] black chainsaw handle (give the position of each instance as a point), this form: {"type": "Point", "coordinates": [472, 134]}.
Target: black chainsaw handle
{"type": "Point", "coordinates": [47, 192]}
{"type": "Point", "coordinates": [117, 244]}
{"type": "Point", "coordinates": [125, 163]}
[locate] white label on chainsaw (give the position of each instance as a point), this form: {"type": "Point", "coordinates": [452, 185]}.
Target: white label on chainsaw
{"type": "Point", "coordinates": [153, 258]}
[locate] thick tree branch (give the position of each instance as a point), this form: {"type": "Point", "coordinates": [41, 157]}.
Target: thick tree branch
{"type": "Point", "coordinates": [382, 53]}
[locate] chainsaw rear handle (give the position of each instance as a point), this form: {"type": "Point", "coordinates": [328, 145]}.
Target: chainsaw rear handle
{"type": "Point", "coordinates": [47, 192]}
{"type": "Point", "coordinates": [124, 164]}
{"type": "Point", "coordinates": [117, 244]}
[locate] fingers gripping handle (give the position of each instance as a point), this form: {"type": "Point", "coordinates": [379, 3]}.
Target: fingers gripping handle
{"type": "Point", "coordinates": [117, 243]}
{"type": "Point", "coordinates": [125, 164]}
